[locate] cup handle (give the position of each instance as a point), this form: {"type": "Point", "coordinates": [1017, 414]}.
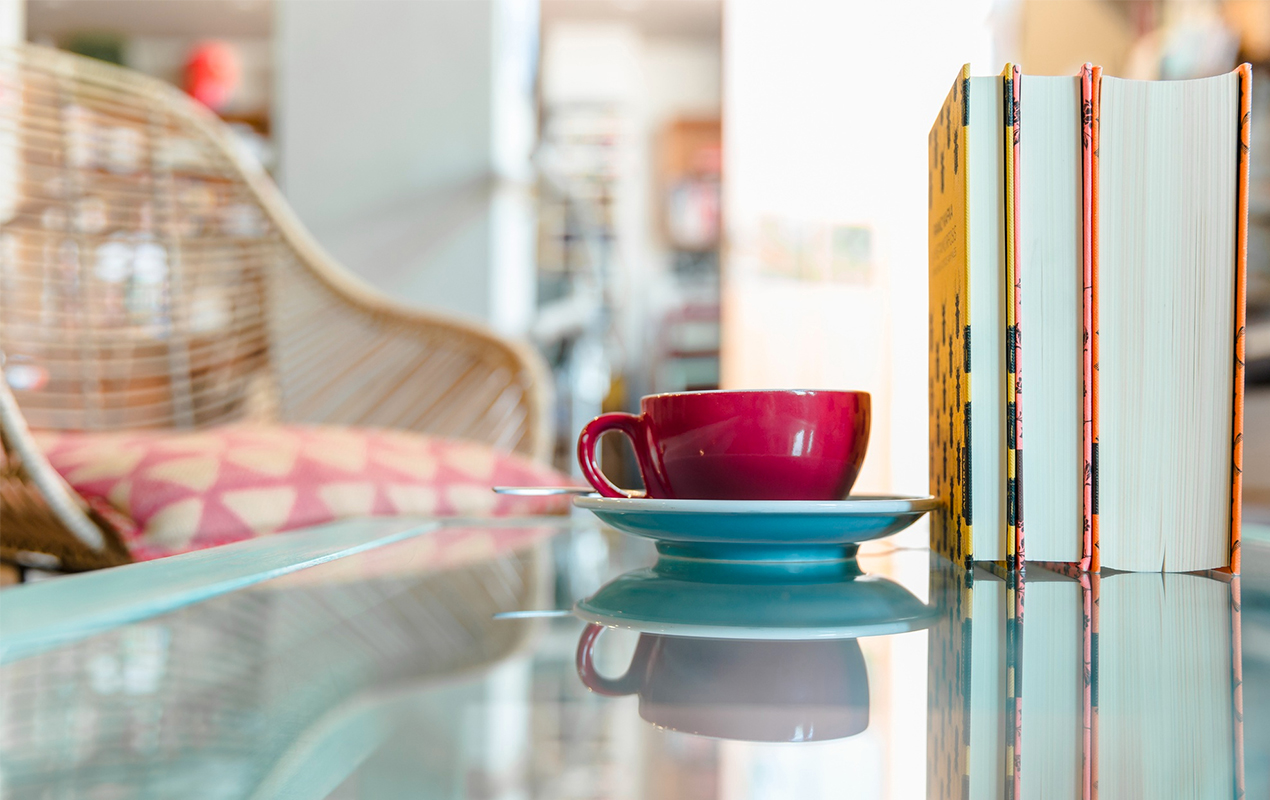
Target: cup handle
{"type": "Point", "coordinates": [609, 687]}
{"type": "Point", "coordinates": [589, 441]}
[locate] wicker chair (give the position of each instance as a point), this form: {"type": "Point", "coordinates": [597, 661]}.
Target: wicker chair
{"type": "Point", "coordinates": [150, 277]}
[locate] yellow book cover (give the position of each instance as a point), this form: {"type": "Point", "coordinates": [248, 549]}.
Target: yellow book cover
{"type": "Point", "coordinates": [949, 318]}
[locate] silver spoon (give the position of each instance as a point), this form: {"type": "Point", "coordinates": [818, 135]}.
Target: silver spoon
{"type": "Point", "coordinates": [542, 491]}
{"type": "Point", "coordinates": [534, 613]}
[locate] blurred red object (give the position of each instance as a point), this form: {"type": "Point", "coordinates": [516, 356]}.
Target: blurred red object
{"type": "Point", "coordinates": [212, 72]}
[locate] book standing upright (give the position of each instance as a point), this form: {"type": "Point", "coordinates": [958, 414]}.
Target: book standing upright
{"type": "Point", "coordinates": [1167, 263]}
{"type": "Point", "coordinates": [966, 209]}
{"type": "Point", "coordinates": [1108, 217]}
{"type": "Point", "coordinates": [1012, 85]}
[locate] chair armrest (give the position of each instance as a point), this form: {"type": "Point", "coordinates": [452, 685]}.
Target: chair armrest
{"type": "Point", "coordinates": [346, 355]}
{"type": "Point", "coordinates": [23, 467]}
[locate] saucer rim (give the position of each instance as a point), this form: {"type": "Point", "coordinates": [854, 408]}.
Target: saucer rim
{"type": "Point", "coordinates": [757, 632]}
{"type": "Point", "coordinates": [862, 505]}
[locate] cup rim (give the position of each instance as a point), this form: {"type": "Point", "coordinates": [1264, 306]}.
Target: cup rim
{"type": "Point", "coordinates": [796, 392]}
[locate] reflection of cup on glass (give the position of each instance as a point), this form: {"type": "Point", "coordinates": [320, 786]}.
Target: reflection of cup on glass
{"type": "Point", "coordinates": [761, 691]}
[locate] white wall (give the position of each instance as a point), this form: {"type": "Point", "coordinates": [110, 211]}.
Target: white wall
{"type": "Point", "coordinates": [826, 111]}
{"type": "Point", "coordinates": [404, 130]}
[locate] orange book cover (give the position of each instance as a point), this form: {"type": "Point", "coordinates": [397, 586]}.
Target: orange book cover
{"type": "Point", "coordinates": [1088, 80]}
{"type": "Point", "coordinates": [1241, 312]}
{"type": "Point", "coordinates": [1091, 315]}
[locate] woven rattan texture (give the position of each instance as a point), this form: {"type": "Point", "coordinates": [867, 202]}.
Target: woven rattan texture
{"type": "Point", "coordinates": [151, 277]}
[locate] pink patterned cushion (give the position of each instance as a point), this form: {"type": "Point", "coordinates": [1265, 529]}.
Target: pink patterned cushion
{"type": "Point", "coordinates": [174, 492]}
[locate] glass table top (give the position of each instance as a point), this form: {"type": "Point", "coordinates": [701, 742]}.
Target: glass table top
{"type": "Point", "coordinates": [411, 669]}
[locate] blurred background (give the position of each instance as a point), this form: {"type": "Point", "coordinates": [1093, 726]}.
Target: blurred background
{"type": "Point", "coordinates": [659, 194]}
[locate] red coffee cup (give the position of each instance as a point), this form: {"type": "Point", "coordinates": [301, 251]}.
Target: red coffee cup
{"type": "Point", "coordinates": [742, 445]}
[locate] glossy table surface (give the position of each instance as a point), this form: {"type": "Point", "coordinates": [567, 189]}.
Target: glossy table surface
{"type": "Point", "coordinates": [386, 659]}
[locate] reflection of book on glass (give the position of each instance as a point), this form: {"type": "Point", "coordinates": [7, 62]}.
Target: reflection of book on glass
{"type": "Point", "coordinates": [1130, 682]}
{"type": "Point", "coordinates": [967, 686]}
{"type": "Point", "coordinates": [1055, 704]}
{"type": "Point", "coordinates": [1168, 710]}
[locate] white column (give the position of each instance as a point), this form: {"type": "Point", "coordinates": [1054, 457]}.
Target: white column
{"type": "Point", "coordinates": [404, 133]}
{"type": "Point", "coordinates": [12, 32]}
{"type": "Point", "coordinates": [12, 21]}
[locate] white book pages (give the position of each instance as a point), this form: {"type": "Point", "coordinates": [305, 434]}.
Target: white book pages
{"type": "Point", "coordinates": [1050, 233]}
{"type": "Point", "coordinates": [1166, 290]}
{"type": "Point", "coordinates": [986, 179]}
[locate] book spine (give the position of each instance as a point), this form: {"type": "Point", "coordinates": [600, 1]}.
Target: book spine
{"type": "Point", "coordinates": [1013, 329]}
{"type": "Point", "coordinates": [1241, 293]}
{"type": "Point", "coordinates": [1091, 78]}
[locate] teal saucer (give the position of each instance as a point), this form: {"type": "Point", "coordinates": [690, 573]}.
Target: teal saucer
{"type": "Point", "coordinates": [760, 530]}
{"type": "Point", "coordinates": [756, 600]}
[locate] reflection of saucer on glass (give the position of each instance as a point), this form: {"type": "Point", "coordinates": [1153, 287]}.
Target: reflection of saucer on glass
{"type": "Point", "coordinates": [756, 600]}
{"type": "Point", "coordinates": [774, 529]}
